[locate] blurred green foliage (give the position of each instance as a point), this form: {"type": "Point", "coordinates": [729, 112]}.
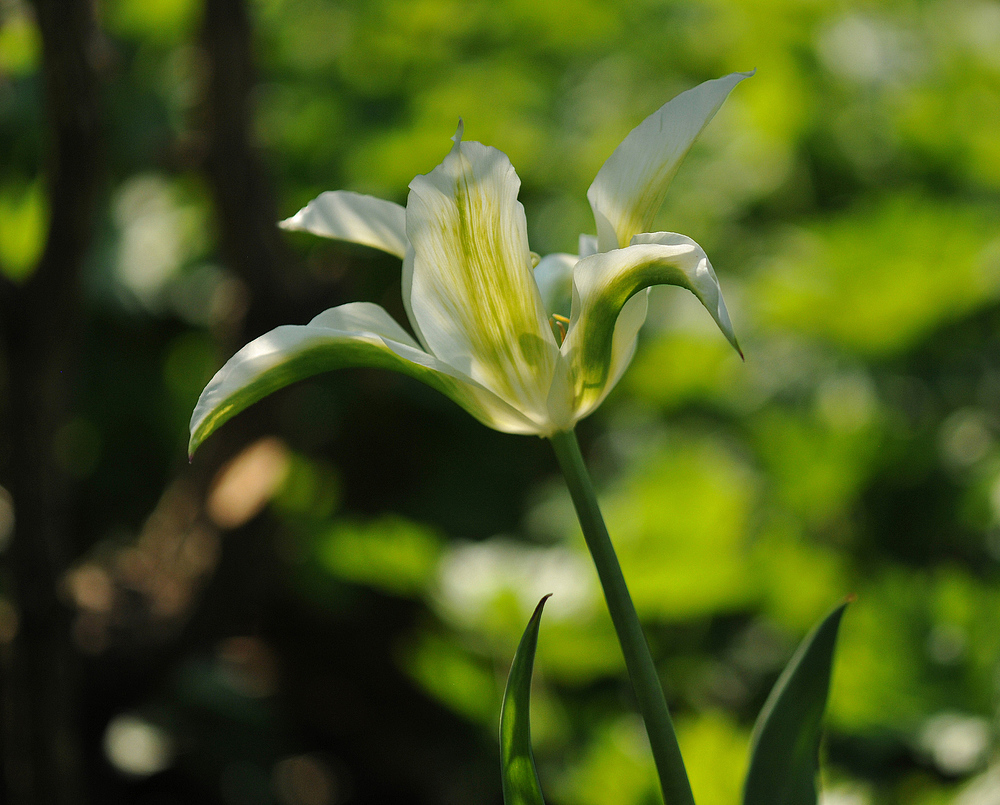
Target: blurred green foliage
{"type": "Point", "coordinates": [849, 197]}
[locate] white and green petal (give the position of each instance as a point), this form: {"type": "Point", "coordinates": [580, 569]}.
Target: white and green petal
{"type": "Point", "coordinates": [343, 215]}
{"type": "Point", "coordinates": [554, 277]}
{"type": "Point", "coordinates": [480, 302]}
{"type": "Point", "coordinates": [630, 187]}
{"type": "Point", "coordinates": [356, 334]}
{"type": "Point", "coordinates": [609, 306]}
{"type": "Point", "coordinates": [472, 294]}
{"type": "Point", "coordinates": [589, 245]}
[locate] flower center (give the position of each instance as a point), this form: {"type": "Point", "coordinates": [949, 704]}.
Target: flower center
{"type": "Point", "coordinates": [561, 322]}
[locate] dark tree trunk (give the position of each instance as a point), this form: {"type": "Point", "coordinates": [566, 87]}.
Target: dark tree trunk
{"type": "Point", "coordinates": [40, 330]}
{"type": "Point", "coordinates": [244, 197]}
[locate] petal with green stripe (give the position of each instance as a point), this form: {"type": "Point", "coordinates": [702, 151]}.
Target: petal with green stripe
{"type": "Point", "coordinates": [357, 334]}
{"type": "Point", "coordinates": [630, 187]}
{"type": "Point", "coordinates": [472, 295]}
{"type": "Point", "coordinates": [608, 309]}
{"type": "Point", "coordinates": [343, 215]}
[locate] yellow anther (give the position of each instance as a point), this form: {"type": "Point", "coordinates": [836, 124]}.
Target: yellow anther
{"type": "Point", "coordinates": [561, 322]}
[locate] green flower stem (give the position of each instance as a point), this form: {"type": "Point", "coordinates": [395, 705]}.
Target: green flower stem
{"type": "Point", "coordinates": [645, 681]}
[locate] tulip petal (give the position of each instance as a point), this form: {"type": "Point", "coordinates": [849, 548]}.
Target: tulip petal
{"type": "Point", "coordinates": [407, 291]}
{"type": "Point", "coordinates": [357, 334]}
{"type": "Point", "coordinates": [630, 187]}
{"type": "Point", "coordinates": [608, 308]}
{"type": "Point", "coordinates": [353, 217]}
{"type": "Point", "coordinates": [554, 277]}
{"type": "Point", "coordinates": [473, 296]}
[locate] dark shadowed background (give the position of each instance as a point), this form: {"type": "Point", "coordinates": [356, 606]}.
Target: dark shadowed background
{"type": "Point", "coordinates": [322, 607]}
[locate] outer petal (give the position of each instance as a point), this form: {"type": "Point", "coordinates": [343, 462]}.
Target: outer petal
{"type": "Point", "coordinates": [357, 334]}
{"type": "Point", "coordinates": [554, 277]}
{"type": "Point", "coordinates": [473, 296]}
{"type": "Point", "coordinates": [407, 291]}
{"type": "Point", "coordinates": [608, 309]}
{"type": "Point", "coordinates": [353, 217]}
{"type": "Point", "coordinates": [588, 245]}
{"type": "Point", "coordinates": [630, 187]}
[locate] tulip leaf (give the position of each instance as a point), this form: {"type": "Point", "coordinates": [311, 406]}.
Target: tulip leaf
{"type": "Point", "coordinates": [784, 757]}
{"type": "Point", "coordinates": [517, 763]}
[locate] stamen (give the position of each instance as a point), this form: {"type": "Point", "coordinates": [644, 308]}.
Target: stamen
{"type": "Point", "coordinates": [560, 322]}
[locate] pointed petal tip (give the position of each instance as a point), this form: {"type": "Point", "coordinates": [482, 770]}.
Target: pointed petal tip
{"type": "Point", "coordinates": [727, 330]}
{"type": "Point", "coordinates": [731, 338]}
{"type": "Point", "coordinates": [631, 185]}
{"type": "Point", "coordinates": [354, 218]}
{"type": "Point", "coordinates": [193, 444]}
{"type": "Point", "coordinates": [730, 335]}
{"type": "Point", "coordinates": [457, 137]}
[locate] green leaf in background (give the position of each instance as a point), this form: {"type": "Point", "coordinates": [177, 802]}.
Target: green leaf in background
{"type": "Point", "coordinates": [389, 553]}
{"type": "Point", "coordinates": [517, 764]}
{"type": "Point", "coordinates": [24, 221]}
{"type": "Point", "coordinates": [784, 755]}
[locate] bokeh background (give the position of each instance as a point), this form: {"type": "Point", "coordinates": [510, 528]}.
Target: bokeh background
{"type": "Point", "coordinates": [322, 607]}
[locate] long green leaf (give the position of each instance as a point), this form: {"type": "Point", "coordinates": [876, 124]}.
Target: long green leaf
{"type": "Point", "coordinates": [517, 763]}
{"type": "Point", "coordinates": [784, 757]}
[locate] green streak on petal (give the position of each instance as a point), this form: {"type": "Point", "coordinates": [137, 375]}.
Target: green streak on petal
{"type": "Point", "coordinates": [472, 292]}
{"type": "Point", "coordinates": [294, 352]}
{"type": "Point", "coordinates": [606, 318]}
{"type": "Point", "coordinates": [630, 187]}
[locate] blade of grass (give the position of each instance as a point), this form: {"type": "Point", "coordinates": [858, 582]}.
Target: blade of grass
{"type": "Point", "coordinates": [784, 759]}
{"type": "Point", "coordinates": [517, 763]}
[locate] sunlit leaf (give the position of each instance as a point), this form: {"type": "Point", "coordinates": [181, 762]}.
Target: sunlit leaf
{"type": "Point", "coordinates": [20, 44]}
{"type": "Point", "coordinates": [24, 217]}
{"type": "Point", "coordinates": [390, 553]}
{"type": "Point", "coordinates": [715, 755]}
{"type": "Point", "coordinates": [784, 756]}
{"type": "Point", "coordinates": [457, 678]}
{"type": "Point", "coordinates": [880, 277]}
{"type": "Point", "coordinates": [517, 764]}
{"type": "Point", "coordinates": [159, 21]}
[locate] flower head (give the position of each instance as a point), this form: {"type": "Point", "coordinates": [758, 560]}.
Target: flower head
{"type": "Point", "coordinates": [479, 301]}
